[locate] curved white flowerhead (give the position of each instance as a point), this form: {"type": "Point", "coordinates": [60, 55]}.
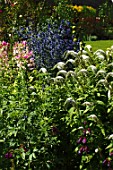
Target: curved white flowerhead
{"type": "Point", "coordinates": [88, 47]}
{"type": "Point", "coordinates": [62, 73]}
{"type": "Point", "coordinates": [43, 70]}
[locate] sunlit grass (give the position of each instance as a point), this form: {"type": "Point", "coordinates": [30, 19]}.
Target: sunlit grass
{"type": "Point", "coordinates": [100, 44]}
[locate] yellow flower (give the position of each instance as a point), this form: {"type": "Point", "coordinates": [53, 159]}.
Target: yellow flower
{"type": "Point", "coordinates": [80, 8]}
{"type": "Point", "coordinates": [73, 27]}
{"type": "Point", "coordinates": [75, 39]}
{"type": "Point", "coordinates": [73, 31]}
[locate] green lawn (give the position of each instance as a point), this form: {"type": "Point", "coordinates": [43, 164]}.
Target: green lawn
{"type": "Point", "coordinates": [101, 44]}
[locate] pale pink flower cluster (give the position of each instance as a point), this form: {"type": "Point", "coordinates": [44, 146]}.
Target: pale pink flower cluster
{"type": "Point", "coordinates": [3, 53]}
{"type": "Point", "coordinates": [21, 51]}
{"type": "Point", "coordinates": [21, 54]}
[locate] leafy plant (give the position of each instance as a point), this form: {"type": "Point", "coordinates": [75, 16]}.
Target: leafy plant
{"type": "Point", "coordinates": [45, 115]}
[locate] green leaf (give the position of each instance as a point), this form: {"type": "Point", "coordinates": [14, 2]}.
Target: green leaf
{"type": "Point", "coordinates": [35, 149]}
{"type": "Point", "coordinates": [74, 130]}
{"type": "Point", "coordinates": [100, 102]}
{"type": "Point", "coordinates": [109, 110]}
{"type": "Point", "coordinates": [34, 156]}
{"type": "Point", "coordinates": [87, 110]}
{"type": "Point", "coordinates": [103, 131]}
{"type": "Point", "coordinates": [109, 146]}
{"type": "Point", "coordinates": [30, 157]}
{"type": "Point", "coordinates": [81, 166]}
{"type": "Point", "coordinates": [23, 155]}
{"type": "Point", "coordinates": [1, 140]}
{"type": "Point", "coordinates": [48, 165]}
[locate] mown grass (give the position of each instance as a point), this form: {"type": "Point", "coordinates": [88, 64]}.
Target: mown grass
{"type": "Point", "coordinates": [100, 44]}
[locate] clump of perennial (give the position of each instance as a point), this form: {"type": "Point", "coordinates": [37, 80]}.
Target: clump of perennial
{"type": "Point", "coordinates": [3, 54]}
{"type": "Point", "coordinates": [49, 41]}
{"type": "Point", "coordinates": [23, 55]}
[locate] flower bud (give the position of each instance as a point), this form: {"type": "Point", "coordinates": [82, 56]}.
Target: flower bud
{"type": "Point", "coordinates": [111, 154]}
{"type": "Point", "coordinates": [80, 140]}
{"type": "Point", "coordinates": [84, 141]}
{"type": "Point", "coordinates": [88, 131]}
{"type": "Point", "coordinates": [81, 150]}
{"type": "Point", "coordinates": [84, 132]}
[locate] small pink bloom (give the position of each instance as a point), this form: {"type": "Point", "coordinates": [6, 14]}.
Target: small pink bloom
{"type": "Point", "coordinates": [24, 42]}
{"type": "Point", "coordinates": [84, 140]}
{"type": "Point", "coordinates": [26, 56]}
{"type": "Point", "coordinates": [30, 53]}
{"type": "Point", "coordinates": [4, 43]}
{"type": "Point", "coordinates": [81, 150]}
{"type": "Point", "coordinates": [4, 53]}
{"type": "Point", "coordinates": [80, 140]}
{"type": "Point", "coordinates": [17, 57]}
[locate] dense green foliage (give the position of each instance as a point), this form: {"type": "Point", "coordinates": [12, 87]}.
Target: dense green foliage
{"type": "Point", "coordinates": [58, 119]}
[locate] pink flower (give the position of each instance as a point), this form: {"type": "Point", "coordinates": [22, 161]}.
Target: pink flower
{"type": "Point", "coordinates": [24, 42]}
{"type": "Point", "coordinates": [30, 53]}
{"type": "Point", "coordinates": [8, 155]}
{"type": "Point", "coordinates": [80, 140]}
{"type": "Point", "coordinates": [26, 56]}
{"type": "Point", "coordinates": [17, 57]}
{"type": "Point", "coordinates": [4, 43]}
{"type": "Point", "coordinates": [1, 11]}
{"type": "Point", "coordinates": [84, 140]}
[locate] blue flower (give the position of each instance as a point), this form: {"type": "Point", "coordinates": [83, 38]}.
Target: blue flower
{"type": "Point", "coordinates": [49, 42]}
